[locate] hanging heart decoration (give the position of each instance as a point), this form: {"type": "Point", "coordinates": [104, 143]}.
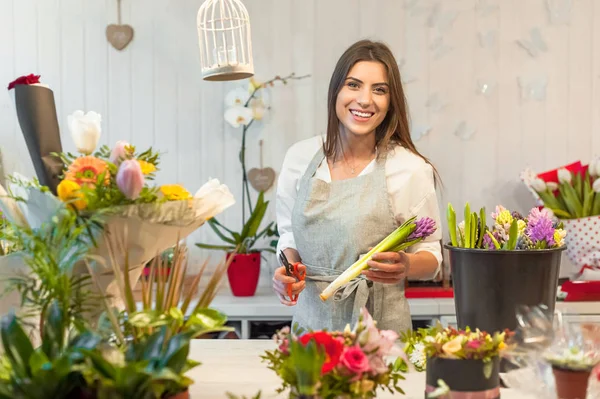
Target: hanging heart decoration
{"type": "Point", "coordinates": [119, 35]}
{"type": "Point", "coordinates": [261, 179]}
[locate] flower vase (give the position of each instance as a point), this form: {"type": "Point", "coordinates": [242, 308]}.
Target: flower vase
{"type": "Point", "coordinates": [489, 285]}
{"type": "Point", "coordinates": [466, 378]}
{"type": "Point", "coordinates": [571, 384]}
{"type": "Point", "coordinates": [243, 273]}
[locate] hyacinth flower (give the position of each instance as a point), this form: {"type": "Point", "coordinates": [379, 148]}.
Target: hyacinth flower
{"type": "Point", "coordinates": [409, 233]}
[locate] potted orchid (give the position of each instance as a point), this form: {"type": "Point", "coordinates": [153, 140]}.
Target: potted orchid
{"type": "Point", "coordinates": [244, 107]}
{"type": "Point", "coordinates": [461, 361]}
{"type": "Point", "coordinates": [339, 364]}
{"type": "Point", "coordinates": [572, 193]}
{"type": "Point", "coordinates": [514, 262]}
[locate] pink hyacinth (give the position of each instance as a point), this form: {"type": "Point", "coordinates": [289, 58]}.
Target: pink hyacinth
{"type": "Point", "coordinates": [118, 153]}
{"type": "Point", "coordinates": [130, 179]}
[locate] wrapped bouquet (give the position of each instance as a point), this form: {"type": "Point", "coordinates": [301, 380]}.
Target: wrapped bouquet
{"type": "Point", "coordinates": [572, 193]}
{"type": "Point", "coordinates": [331, 365]}
{"type": "Point", "coordinates": [113, 184]}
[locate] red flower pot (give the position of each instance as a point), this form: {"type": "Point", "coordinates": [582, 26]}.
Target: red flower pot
{"type": "Point", "coordinates": [243, 273]}
{"type": "Point", "coordinates": [571, 384]}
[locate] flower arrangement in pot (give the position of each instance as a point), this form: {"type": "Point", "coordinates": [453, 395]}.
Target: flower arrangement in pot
{"type": "Point", "coordinates": [338, 364]}
{"type": "Point", "coordinates": [572, 193]}
{"type": "Point", "coordinates": [555, 356]}
{"type": "Point", "coordinates": [459, 362]}
{"type": "Point", "coordinates": [514, 262]}
{"type": "Point", "coordinates": [244, 107]}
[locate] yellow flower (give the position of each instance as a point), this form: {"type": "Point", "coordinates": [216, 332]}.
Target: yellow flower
{"type": "Point", "coordinates": [521, 225]}
{"type": "Point", "coordinates": [175, 192]}
{"type": "Point", "coordinates": [69, 191]}
{"type": "Point", "coordinates": [453, 346]}
{"type": "Point", "coordinates": [501, 345]}
{"type": "Point", "coordinates": [559, 237]}
{"type": "Point", "coordinates": [147, 167]}
{"type": "Point", "coordinates": [504, 218]}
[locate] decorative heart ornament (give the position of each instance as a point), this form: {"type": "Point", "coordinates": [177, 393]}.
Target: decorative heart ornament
{"type": "Point", "coordinates": [261, 179]}
{"type": "Point", "coordinates": [119, 36]}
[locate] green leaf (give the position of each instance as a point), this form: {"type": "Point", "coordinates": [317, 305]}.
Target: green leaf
{"type": "Point", "coordinates": [222, 236]}
{"type": "Point", "coordinates": [467, 225]}
{"type": "Point", "coordinates": [216, 247]}
{"type": "Point", "coordinates": [487, 369]}
{"type": "Point", "coordinates": [451, 217]}
{"type": "Point", "coordinates": [482, 227]}
{"type": "Point", "coordinates": [53, 335]}
{"type": "Point", "coordinates": [513, 234]}
{"type": "Point", "coordinates": [17, 346]}
{"type": "Point", "coordinates": [255, 218]}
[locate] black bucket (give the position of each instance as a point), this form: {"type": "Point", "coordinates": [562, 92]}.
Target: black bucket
{"type": "Point", "coordinates": [489, 285]}
{"type": "Point", "coordinates": [466, 376]}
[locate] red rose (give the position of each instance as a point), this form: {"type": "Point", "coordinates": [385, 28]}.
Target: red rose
{"type": "Point", "coordinates": [24, 80]}
{"type": "Point", "coordinates": [332, 346]}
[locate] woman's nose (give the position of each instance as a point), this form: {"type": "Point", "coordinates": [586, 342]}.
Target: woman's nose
{"type": "Point", "coordinates": [364, 98]}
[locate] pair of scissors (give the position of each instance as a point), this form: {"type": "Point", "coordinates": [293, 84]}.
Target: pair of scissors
{"type": "Point", "coordinates": [291, 270]}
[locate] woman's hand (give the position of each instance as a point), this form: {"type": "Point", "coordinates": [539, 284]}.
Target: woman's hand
{"type": "Point", "coordinates": [281, 281]}
{"type": "Point", "coordinates": [388, 267]}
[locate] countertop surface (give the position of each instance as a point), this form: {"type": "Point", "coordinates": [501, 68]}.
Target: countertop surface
{"type": "Point", "coordinates": [235, 366]}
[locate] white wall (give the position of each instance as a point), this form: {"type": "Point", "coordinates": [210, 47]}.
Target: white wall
{"type": "Point", "coordinates": [152, 93]}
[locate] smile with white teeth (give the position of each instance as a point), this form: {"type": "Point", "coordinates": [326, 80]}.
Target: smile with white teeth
{"type": "Point", "coordinates": [361, 114]}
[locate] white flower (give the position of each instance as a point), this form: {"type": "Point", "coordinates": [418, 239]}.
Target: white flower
{"type": "Point", "coordinates": [258, 112]}
{"type": "Point", "coordinates": [417, 356]}
{"type": "Point", "coordinates": [552, 186]}
{"type": "Point", "coordinates": [215, 197]}
{"type": "Point", "coordinates": [237, 97]}
{"type": "Point", "coordinates": [564, 176]}
{"type": "Point", "coordinates": [85, 130]}
{"type": "Point", "coordinates": [596, 185]}
{"type": "Point", "coordinates": [538, 185]}
{"type": "Point", "coordinates": [594, 167]}
{"type": "Point", "coordinates": [237, 116]}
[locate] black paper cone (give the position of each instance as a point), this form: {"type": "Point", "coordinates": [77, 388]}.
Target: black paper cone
{"type": "Point", "coordinates": [36, 112]}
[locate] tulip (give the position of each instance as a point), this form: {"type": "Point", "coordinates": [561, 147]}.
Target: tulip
{"type": "Point", "coordinates": [119, 152]}
{"type": "Point", "coordinates": [85, 130]}
{"type": "Point", "coordinates": [594, 167]}
{"type": "Point", "coordinates": [538, 185]}
{"type": "Point", "coordinates": [215, 197]}
{"type": "Point", "coordinates": [596, 185]}
{"type": "Point", "coordinates": [552, 186]}
{"type": "Point", "coordinates": [130, 179]}
{"type": "Point", "coordinates": [564, 176]}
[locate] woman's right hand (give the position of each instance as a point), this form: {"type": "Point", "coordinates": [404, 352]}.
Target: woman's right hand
{"type": "Point", "coordinates": [281, 281]}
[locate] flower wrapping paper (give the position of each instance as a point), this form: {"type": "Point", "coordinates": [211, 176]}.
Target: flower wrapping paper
{"type": "Point", "coordinates": [583, 245]}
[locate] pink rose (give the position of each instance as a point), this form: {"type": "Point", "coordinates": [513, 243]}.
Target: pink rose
{"type": "Point", "coordinates": [474, 344]}
{"type": "Point", "coordinates": [119, 152]}
{"type": "Point", "coordinates": [355, 360]}
{"type": "Point", "coordinates": [130, 179]}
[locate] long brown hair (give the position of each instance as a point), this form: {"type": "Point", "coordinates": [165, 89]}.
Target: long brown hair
{"type": "Point", "coordinates": [394, 129]}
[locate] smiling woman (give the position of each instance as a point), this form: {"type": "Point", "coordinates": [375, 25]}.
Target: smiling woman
{"type": "Point", "coordinates": [340, 196]}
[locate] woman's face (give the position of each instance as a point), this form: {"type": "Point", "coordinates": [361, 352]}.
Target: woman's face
{"type": "Point", "coordinates": [364, 100]}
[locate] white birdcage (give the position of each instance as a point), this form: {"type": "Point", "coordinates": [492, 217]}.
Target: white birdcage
{"type": "Point", "coordinates": [225, 41]}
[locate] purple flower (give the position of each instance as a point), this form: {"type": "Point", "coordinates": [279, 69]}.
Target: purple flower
{"type": "Point", "coordinates": [424, 228]}
{"type": "Point", "coordinates": [541, 229]}
{"type": "Point", "coordinates": [535, 215]}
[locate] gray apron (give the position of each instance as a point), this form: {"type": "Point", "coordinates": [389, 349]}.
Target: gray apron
{"type": "Point", "coordinates": [333, 224]}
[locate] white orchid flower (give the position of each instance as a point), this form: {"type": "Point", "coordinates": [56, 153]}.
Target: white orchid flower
{"type": "Point", "coordinates": [237, 116]}
{"type": "Point", "coordinates": [538, 185]}
{"type": "Point", "coordinates": [564, 176]}
{"type": "Point", "coordinates": [85, 130]}
{"type": "Point", "coordinates": [237, 97]}
{"type": "Point", "coordinates": [258, 108]}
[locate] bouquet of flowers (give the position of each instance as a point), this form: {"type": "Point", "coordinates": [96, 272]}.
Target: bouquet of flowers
{"type": "Point", "coordinates": [114, 183]}
{"type": "Point", "coordinates": [330, 365]}
{"type": "Point", "coordinates": [572, 193]}
{"type": "Point", "coordinates": [450, 343]}
{"type": "Point", "coordinates": [509, 231]}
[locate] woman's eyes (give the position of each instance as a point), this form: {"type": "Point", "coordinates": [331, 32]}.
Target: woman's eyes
{"type": "Point", "coordinates": [378, 90]}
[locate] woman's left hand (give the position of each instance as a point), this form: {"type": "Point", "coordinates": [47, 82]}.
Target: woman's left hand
{"type": "Point", "coordinates": [388, 267]}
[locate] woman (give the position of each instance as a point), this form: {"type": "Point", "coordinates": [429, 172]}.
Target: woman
{"type": "Point", "coordinates": [338, 198]}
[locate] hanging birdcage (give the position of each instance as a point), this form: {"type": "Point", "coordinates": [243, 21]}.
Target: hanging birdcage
{"type": "Point", "coordinates": [225, 41]}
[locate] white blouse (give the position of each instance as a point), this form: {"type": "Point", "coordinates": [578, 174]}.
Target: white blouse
{"type": "Point", "coordinates": [409, 181]}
